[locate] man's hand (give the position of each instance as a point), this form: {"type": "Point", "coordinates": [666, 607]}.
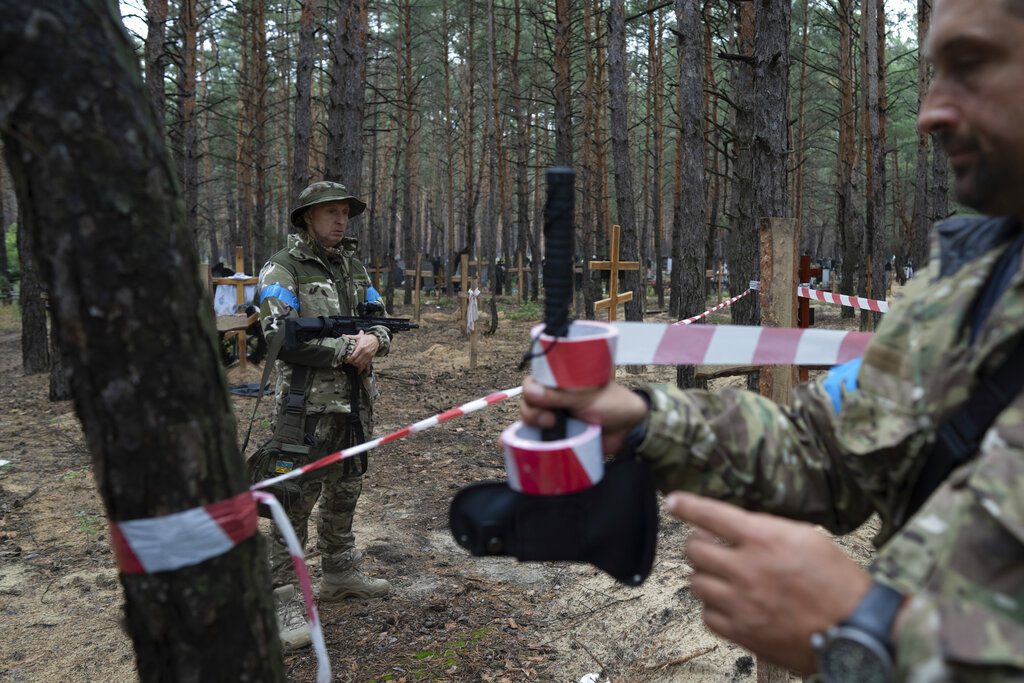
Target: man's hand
{"type": "Point", "coordinates": [614, 407]}
{"type": "Point", "coordinates": [767, 583]}
{"type": "Point", "coordinates": [363, 352]}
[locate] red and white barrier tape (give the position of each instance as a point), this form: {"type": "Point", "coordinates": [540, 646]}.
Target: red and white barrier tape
{"type": "Point", "coordinates": [583, 359]}
{"type": "Point", "coordinates": [316, 633]}
{"type": "Point", "coordinates": [650, 344]}
{"type": "Point", "coordinates": [187, 538]}
{"type": "Point", "coordinates": [182, 539]}
{"type": "Point", "coordinates": [730, 302]}
{"type": "Point", "coordinates": [857, 302]}
{"type": "Point", "coordinates": [552, 468]}
{"type": "Point", "coordinates": [450, 414]}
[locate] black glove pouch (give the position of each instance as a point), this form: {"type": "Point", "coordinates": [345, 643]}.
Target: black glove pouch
{"type": "Point", "coordinates": [613, 525]}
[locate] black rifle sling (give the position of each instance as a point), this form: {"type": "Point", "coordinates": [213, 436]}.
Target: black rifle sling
{"type": "Point", "coordinates": [356, 435]}
{"type": "Point", "coordinates": [273, 349]}
{"type": "Point", "coordinates": [959, 436]}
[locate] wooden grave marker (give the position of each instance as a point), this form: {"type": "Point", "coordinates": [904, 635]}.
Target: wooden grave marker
{"type": "Point", "coordinates": [520, 273]}
{"type": "Point", "coordinates": [417, 282]}
{"type": "Point", "coordinates": [375, 272]}
{"type": "Point", "coordinates": [615, 298]}
{"type": "Point", "coordinates": [235, 325]}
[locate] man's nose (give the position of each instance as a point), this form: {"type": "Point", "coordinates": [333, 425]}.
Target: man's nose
{"type": "Point", "coordinates": [938, 113]}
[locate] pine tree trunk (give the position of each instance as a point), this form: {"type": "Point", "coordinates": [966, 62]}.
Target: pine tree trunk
{"type": "Point", "coordinates": [693, 229]}
{"type": "Point", "coordinates": [875, 248]}
{"type": "Point", "coordinates": [186, 125]}
{"type": "Point", "coordinates": [35, 357]}
{"type": "Point", "coordinates": [243, 138]}
{"type": "Point", "coordinates": [658, 134]}
{"type": "Point", "coordinates": [348, 77]}
{"type": "Point", "coordinates": [161, 434]}
{"type": "Point", "coordinates": [303, 100]}
{"type": "Point", "coordinates": [4, 265]}
{"type": "Point", "coordinates": [743, 249]}
{"type": "Point", "coordinates": [624, 197]}
{"type": "Point", "coordinates": [60, 386]}
{"type": "Point", "coordinates": [154, 56]}
{"type": "Point", "coordinates": [563, 84]}
{"type": "Point", "coordinates": [522, 180]}
{"type": "Point", "coordinates": [259, 137]}
{"type": "Point", "coordinates": [921, 214]}
{"type": "Point", "coordinates": [849, 238]}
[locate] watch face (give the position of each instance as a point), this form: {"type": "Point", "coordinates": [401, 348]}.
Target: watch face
{"type": "Point", "coordinates": [850, 661]}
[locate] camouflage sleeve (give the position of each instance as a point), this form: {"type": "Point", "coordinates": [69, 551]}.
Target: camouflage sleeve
{"type": "Point", "coordinates": [740, 447]}
{"type": "Point", "coordinates": [278, 295]}
{"type": "Point", "coordinates": [383, 338]}
{"type": "Point", "coordinates": [944, 639]}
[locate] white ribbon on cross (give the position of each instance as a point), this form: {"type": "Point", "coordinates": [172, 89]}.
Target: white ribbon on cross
{"type": "Point", "coordinates": [473, 311]}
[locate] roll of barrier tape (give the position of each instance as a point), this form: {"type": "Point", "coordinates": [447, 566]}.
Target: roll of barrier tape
{"type": "Point", "coordinates": [583, 360]}
{"type": "Point", "coordinates": [551, 468]}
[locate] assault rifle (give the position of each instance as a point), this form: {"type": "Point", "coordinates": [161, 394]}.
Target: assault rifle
{"type": "Point", "coordinates": [299, 330]}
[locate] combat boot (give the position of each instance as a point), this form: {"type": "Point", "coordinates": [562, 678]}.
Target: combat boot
{"type": "Point", "coordinates": [351, 583]}
{"type": "Point", "coordinates": [291, 618]}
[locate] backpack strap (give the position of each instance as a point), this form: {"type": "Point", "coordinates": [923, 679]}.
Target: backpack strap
{"type": "Point", "coordinates": [959, 436]}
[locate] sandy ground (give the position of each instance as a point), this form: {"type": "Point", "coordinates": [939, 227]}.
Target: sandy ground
{"type": "Point", "coordinates": [452, 617]}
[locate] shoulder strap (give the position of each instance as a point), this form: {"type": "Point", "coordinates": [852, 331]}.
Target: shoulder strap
{"type": "Point", "coordinates": [959, 436]}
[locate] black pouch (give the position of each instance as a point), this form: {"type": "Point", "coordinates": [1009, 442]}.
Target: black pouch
{"type": "Point", "coordinates": [612, 525]}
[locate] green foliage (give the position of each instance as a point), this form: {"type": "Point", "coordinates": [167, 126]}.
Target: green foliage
{"type": "Point", "coordinates": [531, 310]}
{"type": "Point", "coordinates": [11, 245]}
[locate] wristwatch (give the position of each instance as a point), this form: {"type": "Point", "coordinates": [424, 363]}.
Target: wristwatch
{"type": "Point", "coordinates": [859, 649]}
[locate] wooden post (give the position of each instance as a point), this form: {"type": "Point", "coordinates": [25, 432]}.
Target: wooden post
{"type": "Point", "coordinates": [375, 272]}
{"type": "Point", "coordinates": [463, 281]}
{"type": "Point", "coordinates": [239, 284]}
{"type": "Point", "coordinates": [520, 276]}
{"type": "Point", "coordinates": [615, 298]}
{"type": "Point", "coordinates": [417, 283]}
{"type": "Point", "coordinates": [475, 332]}
{"type": "Point", "coordinates": [721, 269]}
{"type": "Point", "coordinates": [803, 316]}
{"type": "Point", "coordinates": [778, 309]}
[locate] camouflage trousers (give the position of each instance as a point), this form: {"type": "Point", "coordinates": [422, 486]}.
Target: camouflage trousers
{"type": "Point", "coordinates": [338, 494]}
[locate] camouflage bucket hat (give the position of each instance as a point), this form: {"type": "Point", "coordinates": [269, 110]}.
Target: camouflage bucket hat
{"type": "Point", "coordinates": [321, 193]}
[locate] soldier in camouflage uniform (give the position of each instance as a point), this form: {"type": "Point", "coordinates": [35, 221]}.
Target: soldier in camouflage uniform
{"type": "Point", "coordinates": [853, 443]}
{"type": "Point", "coordinates": [318, 274]}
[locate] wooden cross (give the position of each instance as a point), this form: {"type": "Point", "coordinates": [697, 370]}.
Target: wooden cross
{"type": "Point", "coordinates": [463, 280]}
{"type": "Point", "coordinates": [235, 325]}
{"type": "Point", "coordinates": [520, 273]}
{"type": "Point", "coordinates": [375, 277]}
{"type": "Point", "coordinates": [615, 265]}
{"type": "Point", "coordinates": [417, 282]}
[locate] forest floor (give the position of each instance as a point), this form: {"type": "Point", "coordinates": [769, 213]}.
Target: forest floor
{"type": "Point", "coordinates": [452, 617]}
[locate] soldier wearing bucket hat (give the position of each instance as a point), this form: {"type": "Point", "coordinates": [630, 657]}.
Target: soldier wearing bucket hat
{"type": "Point", "coordinates": [316, 274]}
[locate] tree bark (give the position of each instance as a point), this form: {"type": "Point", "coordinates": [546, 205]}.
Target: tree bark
{"type": "Point", "coordinates": [693, 229]}
{"type": "Point", "coordinates": [60, 387]}
{"type": "Point", "coordinates": [563, 84]}
{"type": "Point", "coordinates": [35, 357]}
{"type": "Point", "coordinates": [875, 247]}
{"type": "Point", "coordinates": [303, 100]}
{"type": "Point", "coordinates": [161, 434]}
{"type": "Point", "coordinates": [743, 238]}
{"type": "Point", "coordinates": [348, 78]}
{"type": "Point", "coordinates": [921, 214]}
{"type": "Point", "coordinates": [624, 197]}
{"type": "Point", "coordinates": [186, 126]}
{"type": "Point", "coordinates": [850, 239]}
{"type": "Point", "coordinates": [658, 156]}
{"type": "Point", "coordinates": [155, 54]}
{"type": "Point", "coordinates": [260, 238]}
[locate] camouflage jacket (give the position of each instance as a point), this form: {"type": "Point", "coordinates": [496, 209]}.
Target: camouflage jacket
{"type": "Point", "coordinates": [837, 454]}
{"type": "Point", "coordinates": [295, 282]}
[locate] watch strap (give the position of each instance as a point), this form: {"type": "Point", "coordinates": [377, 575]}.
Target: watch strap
{"type": "Point", "coordinates": [876, 612]}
